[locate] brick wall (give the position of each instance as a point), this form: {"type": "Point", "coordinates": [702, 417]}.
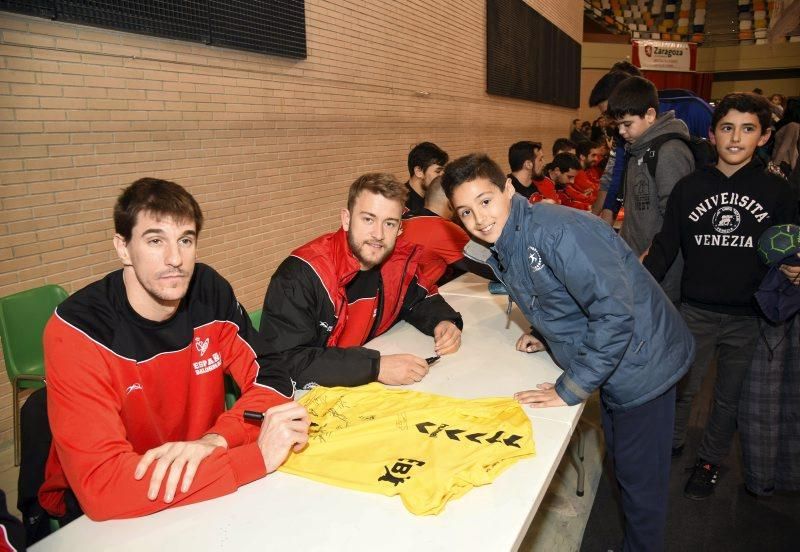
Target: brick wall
{"type": "Point", "coordinates": [267, 145]}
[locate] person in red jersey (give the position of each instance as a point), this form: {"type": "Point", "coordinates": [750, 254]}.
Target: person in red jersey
{"type": "Point", "coordinates": [560, 174]}
{"type": "Point", "coordinates": [135, 368]}
{"type": "Point", "coordinates": [582, 192]}
{"type": "Point", "coordinates": [443, 240]}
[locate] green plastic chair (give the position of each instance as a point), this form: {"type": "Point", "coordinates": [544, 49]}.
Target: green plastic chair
{"type": "Point", "coordinates": [23, 317]}
{"type": "Point", "coordinates": [255, 318]}
{"type": "Point", "coordinates": [232, 391]}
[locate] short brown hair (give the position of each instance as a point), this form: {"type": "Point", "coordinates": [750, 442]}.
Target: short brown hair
{"type": "Point", "coordinates": [469, 168]}
{"type": "Point", "coordinates": [384, 184]}
{"type": "Point", "coordinates": [744, 102]}
{"type": "Point", "coordinates": [633, 96]}
{"type": "Point", "coordinates": [159, 197]}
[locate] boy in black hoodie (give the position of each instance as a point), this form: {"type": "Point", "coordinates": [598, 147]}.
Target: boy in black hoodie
{"type": "Point", "coordinates": [715, 216]}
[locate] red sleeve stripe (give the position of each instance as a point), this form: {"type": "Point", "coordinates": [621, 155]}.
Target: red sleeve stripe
{"type": "Point", "coordinates": [7, 540]}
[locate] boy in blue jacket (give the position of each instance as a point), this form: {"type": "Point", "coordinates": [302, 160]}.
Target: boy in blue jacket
{"type": "Point", "coordinates": [607, 323]}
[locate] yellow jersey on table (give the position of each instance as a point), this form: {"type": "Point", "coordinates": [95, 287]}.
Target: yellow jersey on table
{"type": "Point", "coordinates": [426, 448]}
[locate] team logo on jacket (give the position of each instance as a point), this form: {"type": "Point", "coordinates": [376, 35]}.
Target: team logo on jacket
{"type": "Point", "coordinates": [535, 259]}
{"type": "Point", "coordinates": [726, 219]}
{"type": "Point", "coordinates": [204, 366]}
{"type": "Point", "coordinates": [202, 346]}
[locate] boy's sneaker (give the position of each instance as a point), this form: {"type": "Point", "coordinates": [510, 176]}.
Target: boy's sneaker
{"type": "Point", "coordinates": [702, 481]}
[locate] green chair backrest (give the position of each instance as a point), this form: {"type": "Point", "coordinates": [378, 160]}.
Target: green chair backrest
{"type": "Point", "coordinates": [255, 318]}
{"type": "Point", "coordinates": [23, 317]}
{"type": "Point", "coordinates": [232, 392]}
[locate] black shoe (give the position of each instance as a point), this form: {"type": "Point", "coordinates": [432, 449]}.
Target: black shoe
{"type": "Point", "coordinates": [677, 451]}
{"type": "Point", "coordinates": [702, 481]}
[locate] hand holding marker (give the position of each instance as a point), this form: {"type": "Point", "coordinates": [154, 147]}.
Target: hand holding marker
{"type": "Point", "coordinates": [259, 417]}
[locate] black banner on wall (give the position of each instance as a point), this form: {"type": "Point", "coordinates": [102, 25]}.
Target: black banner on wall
{"type": "Point", "coordinates": [276, 27]}
{"type": "Point", "coordinates": [529, 58]}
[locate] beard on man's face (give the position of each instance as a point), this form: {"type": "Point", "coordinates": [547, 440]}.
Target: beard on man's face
{"type": "Point", "coordinates": [360, 252]}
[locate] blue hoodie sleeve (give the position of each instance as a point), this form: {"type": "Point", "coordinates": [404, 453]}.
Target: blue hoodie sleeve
{"type": "Point", "coordinates": [620, 161]}
{"type": "Point", "coordinates": [584, 257]}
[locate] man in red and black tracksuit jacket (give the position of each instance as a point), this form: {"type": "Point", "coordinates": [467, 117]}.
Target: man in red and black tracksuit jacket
{"type": "Point", "coordinates": [337, 292]}
{"type": "Point", "coordinates": [135, 368]}
{"type": "Point", "coordinates": [133, 381]}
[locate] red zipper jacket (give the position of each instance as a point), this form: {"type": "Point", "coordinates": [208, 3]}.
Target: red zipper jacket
{"type": "Point", "coordinates": [306, 310]}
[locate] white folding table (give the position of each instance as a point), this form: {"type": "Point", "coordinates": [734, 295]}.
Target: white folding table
{"type": "Point", "coordinates": [284, 512]}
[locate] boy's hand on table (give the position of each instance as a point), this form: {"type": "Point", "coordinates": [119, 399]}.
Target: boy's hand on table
{"type": "Point", "coordinates": [543, 396]}
{"type": "Point", "coordinates": [529, 344]}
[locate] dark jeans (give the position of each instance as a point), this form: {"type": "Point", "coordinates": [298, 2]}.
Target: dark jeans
{"type": "Point", "coordinates": [638, 444]}
{"type": "Point", "coordinates": [731, 339]}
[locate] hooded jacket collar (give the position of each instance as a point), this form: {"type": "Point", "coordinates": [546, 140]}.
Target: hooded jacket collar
{"type": "Point", "coordinates": [513, 225]}
{"type": "Point", "coordinates": [666, 123]}
{"type": "Point", "coordinates": [753, 168]}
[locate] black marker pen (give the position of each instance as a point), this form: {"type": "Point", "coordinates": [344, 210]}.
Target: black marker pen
{"type": "Point", "coordinates": [431, 360]}
{"type": "Point", "coordinates": [253, 415]}
{"type": "Point", "coordinates": [259, 416]}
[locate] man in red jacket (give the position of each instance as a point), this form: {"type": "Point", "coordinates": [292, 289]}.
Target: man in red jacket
{"type": "Point", "coordinates": [135, 368]}
{"type": "Point", "coordinates": [560, 173]}
{"type": "Point", "coordinates": [582, 192]}
{"type": "Point", "coordinates": [337, 292]}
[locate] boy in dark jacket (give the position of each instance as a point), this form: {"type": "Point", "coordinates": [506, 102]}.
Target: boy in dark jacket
{"type": "Point", "coordinates": [715, 216]}
{"type": "Point", "coordinates": [604, 319]}
{"type": "Point", "coordinates": [634, 106]}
